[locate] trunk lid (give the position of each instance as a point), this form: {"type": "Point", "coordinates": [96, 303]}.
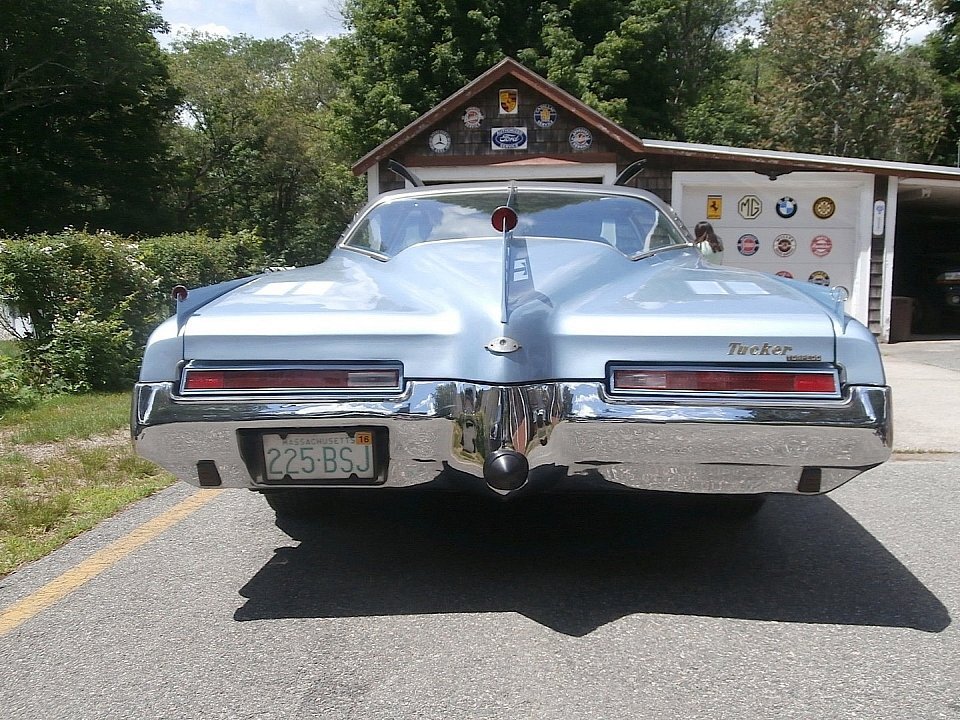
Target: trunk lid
{"type": "Point", "coordinates": [434, 307]}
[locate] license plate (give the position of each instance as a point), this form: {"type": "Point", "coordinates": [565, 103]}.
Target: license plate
{"type": "Point", "coordinates": [319, 456]}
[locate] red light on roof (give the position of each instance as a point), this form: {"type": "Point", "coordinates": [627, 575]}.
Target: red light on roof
{"type": "Point", "coordinates": [504, 218]}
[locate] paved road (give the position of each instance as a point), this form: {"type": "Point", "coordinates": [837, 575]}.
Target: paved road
{"type": "Point", "coordinates": [833, 607]}
{"type": "Point", "coordinates": [943, 354]}
{"type": "Point", "coordinates": [925, 377]}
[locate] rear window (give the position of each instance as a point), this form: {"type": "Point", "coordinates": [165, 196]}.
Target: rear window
{"type": "Point", "coordinates": [632, 225]}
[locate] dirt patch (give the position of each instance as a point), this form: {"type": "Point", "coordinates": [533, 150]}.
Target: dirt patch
{"type": "Point", "coordinates": [44, 452]}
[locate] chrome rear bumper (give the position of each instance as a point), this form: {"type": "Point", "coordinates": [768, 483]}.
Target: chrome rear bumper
{"type": "Point", "coordinates": [674, 444]}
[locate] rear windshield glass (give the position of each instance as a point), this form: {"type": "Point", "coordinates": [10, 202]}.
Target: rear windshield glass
{"type": "Point", "coordinates": [632, 225]}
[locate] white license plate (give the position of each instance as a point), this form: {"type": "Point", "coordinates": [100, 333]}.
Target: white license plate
{"type": "Point", "coordinates": [319, 456]}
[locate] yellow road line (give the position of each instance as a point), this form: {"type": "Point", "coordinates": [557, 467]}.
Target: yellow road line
{"type": "Point", "coordinates": [103, 559]}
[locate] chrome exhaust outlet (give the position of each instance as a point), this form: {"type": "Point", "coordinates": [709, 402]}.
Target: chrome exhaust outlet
{"type": "Point", "coordinates": [506, 470]}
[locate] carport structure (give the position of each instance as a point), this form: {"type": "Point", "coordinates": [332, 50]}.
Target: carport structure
{"type": "Point", "coordinates": [883, 230]}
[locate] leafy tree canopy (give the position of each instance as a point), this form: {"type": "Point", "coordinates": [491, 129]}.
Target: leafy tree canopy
{"type": "Point", "coordinates": [834, 83]}
{"type": "Point", "coordinates": [943, 51]}
{"type": "Point", "coordinates": [253, 145]}
{"type": "Point", "coordinates": [640, 62]}
{"type": "Point", "coordinates": [84, 95]}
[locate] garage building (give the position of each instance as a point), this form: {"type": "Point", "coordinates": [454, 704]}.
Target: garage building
{"type": "Point", "coordinates": [885, 231]}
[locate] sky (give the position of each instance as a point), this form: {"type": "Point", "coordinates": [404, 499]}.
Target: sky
{"type": "Point", "coordinates": [275, 18]}
{"type": "Point", "coordinates": [257, 18]}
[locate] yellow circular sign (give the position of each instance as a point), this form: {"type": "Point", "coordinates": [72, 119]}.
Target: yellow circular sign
{"type": "Point", "coordinates": [824, 207]}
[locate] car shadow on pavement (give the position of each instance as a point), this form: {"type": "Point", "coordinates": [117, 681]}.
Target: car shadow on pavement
{"type": "Point", "coordinates": [575, 563]}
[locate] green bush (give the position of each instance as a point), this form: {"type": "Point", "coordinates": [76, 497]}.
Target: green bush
{"type": "Point", "coordinates": [196, 259]}
{"type": "Point", "coordinates": [47, 278]}
{"type": "Point", "coordinates": [15, 390]}
{"type": "Point", "coordinates": [86, 353]}
{"type": "Point", "coordinates": [91, 299]}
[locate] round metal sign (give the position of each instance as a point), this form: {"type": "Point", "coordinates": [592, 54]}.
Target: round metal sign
{"type": "Point", "coordinates": [824, 207]}
{"type": "Point", "coordinates": [821, 246]}
{"type": "Point", "coordinates": [439, 141]}
{"type": "Point", "coordinates": [748, 245]}
{"type": "Point", "coordinates": [473, 117]}
{"type": "Point", "coordinates": [545, 115]}
{"type": "Point", "coordinates": [580, 138]}
{"type": "Point", "coordinates": [784, 245]}
{"type": "Point", "coordinates": [786, 207]}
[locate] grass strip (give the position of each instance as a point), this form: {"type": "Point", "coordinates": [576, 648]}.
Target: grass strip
{"type": "Point", "coordinates": [64, 417]}
{"type": "Point", "coordinates": [65, 465]}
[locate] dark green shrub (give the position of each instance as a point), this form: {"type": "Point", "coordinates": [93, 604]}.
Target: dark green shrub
{"type": "Point", "coordinates": [85, 353]}
{"type": "Point", "coordinates": [15, 390]}
{"type": "Point", "coordinates": [49, 278]}
{"type": "Point", "coordinates": [89, 302]}
{"type": "Point", "coordinates": [196, 259]}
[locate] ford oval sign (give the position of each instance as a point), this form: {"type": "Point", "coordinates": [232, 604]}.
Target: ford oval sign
{"type": "Point", "coordinates": [508, 138]}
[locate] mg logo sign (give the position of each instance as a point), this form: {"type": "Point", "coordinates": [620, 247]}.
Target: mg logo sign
{"type": "Point", "coordinates": [749, 207]}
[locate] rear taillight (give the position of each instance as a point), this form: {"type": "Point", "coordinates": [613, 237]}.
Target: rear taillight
{"type": "Point", "coordinates": [307, 379]}
{"type": "Point", "coordinates": [683, 380]}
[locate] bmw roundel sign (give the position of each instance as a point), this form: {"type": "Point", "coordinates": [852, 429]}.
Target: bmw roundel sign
{"type": "Point", "coordinates": [786, 207]}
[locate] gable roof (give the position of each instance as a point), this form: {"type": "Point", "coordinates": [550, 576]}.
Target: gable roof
{"type": "Point", "coordinates": [504, 68]}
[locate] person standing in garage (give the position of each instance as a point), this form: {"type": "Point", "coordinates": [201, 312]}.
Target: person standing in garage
{"type": "Point", "coordinates": [707, 242]}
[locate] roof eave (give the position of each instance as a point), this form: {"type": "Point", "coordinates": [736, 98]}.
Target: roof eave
{"type": "Point", "coordinates": [780, 159]}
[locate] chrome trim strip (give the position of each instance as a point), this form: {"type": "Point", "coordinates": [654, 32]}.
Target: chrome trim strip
{"type": "Point", "coordinates": [679, 444]}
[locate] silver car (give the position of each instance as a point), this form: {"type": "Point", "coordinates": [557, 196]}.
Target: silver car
{"type": "Point", "coordinates": [511, 338]}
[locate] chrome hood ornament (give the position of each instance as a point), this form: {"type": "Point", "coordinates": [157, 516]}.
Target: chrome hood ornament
{"type": "Point", "coordinates": [502, 345]}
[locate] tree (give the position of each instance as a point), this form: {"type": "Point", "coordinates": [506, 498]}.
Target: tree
{"type": "Point", "coordinates": [640, 62]}
{"type": "Point", "coordinates": [943, 50]}
{"type": "Point", "coordinates": [658, 61]}
{"type": "Point", "coordinates": [401, 59]}
{"type": "Point", "coordinates": [835, 83]}
{"type": "Point", "coordinates": [728, 111]}
{"type": "Point", "coordinates": [84, 95]}
{"type": "Point", "coordinates": [254, 147]}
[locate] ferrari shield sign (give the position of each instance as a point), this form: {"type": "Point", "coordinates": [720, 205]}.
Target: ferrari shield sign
{"type": "Point", "coordinates": [714, 207]}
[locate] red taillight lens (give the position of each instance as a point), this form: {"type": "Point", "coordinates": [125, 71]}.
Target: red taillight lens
{"type": "Point", "coordinates": [751, 381]}
{"type": "Point", "coordinates": [293, 379]}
